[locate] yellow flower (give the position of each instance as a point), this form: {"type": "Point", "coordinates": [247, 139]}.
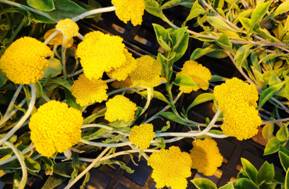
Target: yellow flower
{"type": "Point", "coordinates": [24, 60]}
{"type": "Point", "coordinates": [88, 91]}
{"type": "Point", "coordinates": [55, 128]}
{"type": "Point", "coordinates": [100, 53]}
{"type": "Point", "coordinates": [142, 135]}
{"type": "Point", "coordinates": [171, 168]}
{"type": "Point", "coordinates": [58, 39]}
{"type": "Point", "coordinates": [120, 108]}
{"type": "Point", "coordinates": [122, 72]}
{"type": "Point", "coordinates": [68, 28]}
{"type": "Point", "coordinates": [206, 157]}
{"type": "Point", "coordinates": [129, 10]}
{"type": "Point", "coordinates": [198, 73]}
{"type": "Point", "coordinates": [147, 74]}
{"type": "Point", "coordinates": [242, 121]}
{"type": "Point", "coordinates": [235, 91]}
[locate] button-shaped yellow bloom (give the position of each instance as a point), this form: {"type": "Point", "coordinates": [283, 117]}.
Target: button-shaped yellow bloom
{"type": "Point", "coordinates": [206, 157]}
{"type": "Point", "coordinates": [129, 10]}
{"type": "Point", "coordinates": [122, 72]}
{"type": "Point", "coordinates": [58, 39]}
{"type": "Point", "coordinates": [171, 168]}
{"type": "Point", "coordinates": [100, 53]}
{"type": "Point", "coordinates": [197, 73]}
{"type": "Point", "coordinates": [120, 108]}
{"type": "Point", "coordinates": [147, 73]}
{"type": "Point", "coordinates": [88, 91]}
{"type": "Point", "coordinates": [68, 28]}
{"type": "Point", "coordinates": [25, 60]}
{"type": "Point", "coordinates": [142, 135]}
{"type": "Point", "coordinates": [55, 128]}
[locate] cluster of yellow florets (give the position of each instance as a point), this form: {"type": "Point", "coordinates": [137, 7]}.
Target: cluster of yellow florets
{"type": "Point", "coordinates": [88, 91]}
{"type": "Point", "coordinates": [25, 60]}
{"type": "Point", "coordinates": [120, 108]}
{"type": "Point", "coordinates": [237, 100]}
{"type": "Point", "coordinates": [198, 73]}
{"type": "Point", "coordinates": [129, 10]}
{"type": "Point", "coordinates": [55, 128]}
{"type": "Point", "coordinates": [206, 157]}
{"type": "Point", "coordinates": [171, 168]}
{"type": "Point", "coordinates": [68, 28]}
{"type": "Point", "coordinates": [142, 135]}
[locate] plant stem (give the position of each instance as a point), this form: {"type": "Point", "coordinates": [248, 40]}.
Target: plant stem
{"type": "Point", "coordinates": [150, 94]}
{"type": "Point", "coordinates": [93, 12]}
{"type": "Point", "coordinates": [13, 100]}
{"type": "Point", "coordinates": [103, 127]}
{"type": "Point", "coordinates": [6, 118]}
{"type": "Point", "coordinates": [100, 144]}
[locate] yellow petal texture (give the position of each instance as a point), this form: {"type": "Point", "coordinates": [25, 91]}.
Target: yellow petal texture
{"type": "Point", "coordinates": [129, 10]}
{"type": "Point", "coordinates": [171, 168]}
{"type": "Point", "coordinates": [142, 135]}
{"type": "Point", "coordinates": [206, 157]}
{"type": "Point", "coordinates": [147, 73]}
{"type": "Point", "coordinates": [55, 128]}
{"type": "Point", "coordinates": [120, 108]}
{"type": "Point", "coordinates": [121, 73]}
{"type": "Point", "coordinates": [68, 28]}
{"type": "Point", "coordinates": [24, 60]}
{"type": "Point", "coordinates": [198, 73]}
{"type": "Point", "coordinates": [100, 53]}
{"type": "Point", "coordinates": [88, 91]}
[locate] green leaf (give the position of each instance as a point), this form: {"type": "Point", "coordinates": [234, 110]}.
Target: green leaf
{"type": "Point", "coordinates": [43, 5]}
{"type": "Point", "coordinates": [286, 184]}
{"type": "Point", "coordinates": [282, 8]}
{"type": "Point", "coordinates": [180, 40]}
{"type": "Point", "coordinates": [199, 52]}
{"type": "Point", "coordinates": [162, 36]}
{"type": "Point", "coordinates": [269, 92]}
{"type": "Point", "coordinates": [249, 169]}
{"type": "Point", "coordinates": [218, 23]}
{"type": "Point", "coordinates": [258, 13]}
{"type": "Point", "coordinates": [204, 183]}
{"type": "Point", "coordinates": [32, 165]}
{"type": "Point", "coordinates": [266, 173]}
{"type": "Point", "coordinates": [52, 182]}
{"type": "Point", "coordinates": [284, 160]}
{"type": "Point", "coordinates": [272, 146]}
{"type": "Point", "coordinates": [54, 68]}
{"type": "Point", "coordinates": [202, 98]}
{"type": "Point", "coordinates": [242, 54]}
{"type": "Point", "coordinates": [224, 42]}
{"type": "Point", "coordinates": [3, 79]}
{"type": "Point", "coordinates": [244, 183]}
{"type": "Point", "coordinates": [171, 116]}
{"type": "Point", "coordinates": [282, 134]}
{"type": "Point", "coordinates": [196, 11]}
{"type": "Point", "coordinates": [267, 131]}
{"type": "Point", "coordinates": [183, 80]}
{"type": "Point", "coordinates": [154, 8]}
{"type": "Point", "coordinates": [227, 186]}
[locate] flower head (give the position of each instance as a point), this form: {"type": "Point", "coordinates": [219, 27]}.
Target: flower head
{"type": "Point", "coordinates": [25, 60]}
{"type": "Point", "coordinates": [58, 39]}
{"type": "Point", "coordinates": [122, 72]}
{"type": "Point", "coordinates": [171, 168]}
{"type": "Point", "coordinates": [55, 128]}
{"type": "Point", "coordinates": [147, 74]}
{"type": "Point", "coordinates": [198, 73]}
{"type": "Point", "coordinates": [129, 10]}
{"type": "Point", "coordinates": [88, 91]}
{"type": "Point", "coordinates": [206, 157]}
{"type": "Point", "coordinates": [68, 28]}
{"type": "Point", "coordinates": [142, 135]}
{"type": "Point", "coordinates": [120, 108]}
{"type": "Point", "coordinates": [99, 53]}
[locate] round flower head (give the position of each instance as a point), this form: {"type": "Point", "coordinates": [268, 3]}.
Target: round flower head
{"type": "Point", "coordinates": [100, 53]}
{"type": "Point", "coordinates": [198, 73]}
{"type": "Point", "coordinates": [242, 121]}
{"type": "Point", "coordinates": [206, 157]}
{"type": "Point", "coordinates": [120, 108]}
{"type": "Point", "coordinates": [147, 74]}
{"type": "Point", "coordinates": [171, 168]}
{"type": "Point", "coordinates": [122, 72]}
{"type": "Point", "coordinates": [142, 135]}
{"type": "Point", "coordinates": [88, 91]}
{"type": "Point", "coordinates": [129, 10]}
{"type": "Point", "coordinates": [58, 39]}
{"type": "Point", "coordinates": [235, 91]}
{"type": "Point", "coordinates": [68, 28]}
{"type": "Point", "coordinates": [55, 128]}
{"type": "Point", "coordinates": [24, 60]}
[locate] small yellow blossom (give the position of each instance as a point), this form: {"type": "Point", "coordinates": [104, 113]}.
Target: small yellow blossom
{"type": "Point", "coordinates": [58, 39]}
{"type": "Point", "coordinates": [206, 157]}
{"type": "Point", "coordinates": [198, 73]}
{"type": "Point", "coordinates": [122, 72]}
{"type": "Point", "coordinates": [120, 108]}
{"type": "Point", "coordinates": [171, 168]}
{"type": "Point", "coordinates": [142, 135]}
{"type": "Point", "coordinates": [68, 28]}
{"type": "Point", "coordinates": [242, 121]}
{"type": "Point", "coordinates": [235, 91]}
{"type": "Point", "coordinates": [99, 53]}
{"type": "Point", "coordinates": [147, 74]}
{"type": "Point", "coordinates": [25, 60]}
{"type": "Point", "coordinates": [129, 10]}
{"type": "Point", "coordinates": [88, 91]}
{"type": "Point", "coordinates": [55, 128]}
